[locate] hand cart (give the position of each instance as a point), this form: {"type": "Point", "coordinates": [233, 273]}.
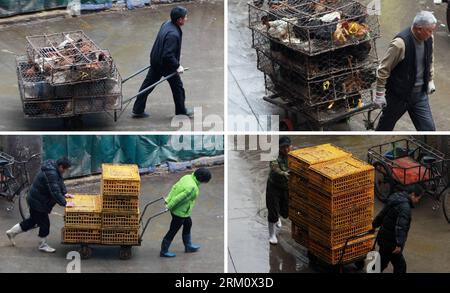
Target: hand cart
{"type": "Point", "coordinates": [50, 88]}
{"type": "Point", "coordinates": [408, 162]}
{"type": "Point", "coordinates": [125, 248]}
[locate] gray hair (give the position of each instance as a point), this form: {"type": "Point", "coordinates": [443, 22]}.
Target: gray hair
{"type": "Point", "coordinates": [424, 19]}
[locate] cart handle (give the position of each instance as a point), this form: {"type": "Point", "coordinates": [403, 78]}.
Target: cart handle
{"type": "Point", "coordinates": [354, 237]}
{"type": "Point", "coordinates": [134, 74]}
{"type": "Point", "coordinates": [151, 217]}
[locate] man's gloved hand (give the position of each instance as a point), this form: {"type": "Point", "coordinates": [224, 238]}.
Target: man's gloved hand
{"type": "Point", "coordinates": [380, 100]}
{"type": "Point", "coordinates": [68, 195]}
{"type": "Point", "coordinates": [431, 88]}
{"type": "Point", "coordinates": [286, 174]}
{"type": "Point", "coordinates": [180, 69]}
{"type": "Point", "coordinates": [70, 204]}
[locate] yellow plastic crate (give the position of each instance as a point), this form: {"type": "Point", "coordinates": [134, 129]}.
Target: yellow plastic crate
{"type": "Point", "coordinates": [120, 204]}
{"type": "Point", "coordinates": [347, 200]}
{"type": "Point", "coordinates": [342, 175]}
{"type": "Point", "coordinates": [86, 213]}
{"type": "Point", "coordinates": [298, 184]}
{"type": "Point", "coordinates": [120, 236]}
{"type": "Point", "coordinates": [336, 238]}
{"type": "Point", "coordinates": [298, 216]}
{"type": "Point", "coordinates": [120, 180]}
{"type": "Point", "coordinates": [354, 251]}
{"type": "Point", "coordinates": [300, 160]}
{"type": "Point", "coordinates": [120, 220]}
{"type": "Point", "coordinates": [341, 218]}
{"type": "Point", "coordinates": [81, 235]}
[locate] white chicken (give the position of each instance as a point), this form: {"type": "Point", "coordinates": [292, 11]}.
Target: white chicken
{"type": "Point", "coordinates": [281, 28]}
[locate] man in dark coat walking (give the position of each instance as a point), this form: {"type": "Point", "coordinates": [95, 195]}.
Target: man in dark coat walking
{"type": "Point", "coordinates": [394, 221]}
{"type": "Point", "coordinates": [165, 60]}
{"type": "Point", "coordinates": [47, 190]}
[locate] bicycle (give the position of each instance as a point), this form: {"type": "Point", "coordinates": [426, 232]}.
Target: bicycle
{"type": "Point", "coordinates": [15, 182]}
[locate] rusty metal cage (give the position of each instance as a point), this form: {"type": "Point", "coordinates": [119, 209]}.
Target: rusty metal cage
{"type": "Point", "coordinates": [315, 26]}
{"type": "Point", "coordinates": [42, 99]}
{"type": "Point", "coordinates": [68, 58]}
{"type": "Point", "coordinates": [321, 112]}
{"type": "Point", "coordinates": [363, 55]}
{"type": "Point", "coordinates": [319, 91]}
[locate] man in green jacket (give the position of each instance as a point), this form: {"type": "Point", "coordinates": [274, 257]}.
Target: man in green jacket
{"type": "Point", "coordinates": [180, 202]}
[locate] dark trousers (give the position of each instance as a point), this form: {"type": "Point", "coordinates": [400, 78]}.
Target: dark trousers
{"type": "Point", "coordinates": [398, 260]}
{"type": "Point", "coordinates": [176, 85]}
{"type": "Point", "coordinates": [277, 202]}
{"type": "Point", "coordinates": [37, 218]}
{"type": "Point", "coordinates": [417, 106]}
{"type": "Point", "coordinates": [176, 224]}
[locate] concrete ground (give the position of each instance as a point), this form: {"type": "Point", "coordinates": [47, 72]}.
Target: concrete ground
{"type": "Point", "coordinates": [129, 36]}
{"type": "Point", "coordinates": [246, 83]}
{"type": "Point", "coordinates": [207, 231]}
{"type": "Point", "coordinates": [248, 246]}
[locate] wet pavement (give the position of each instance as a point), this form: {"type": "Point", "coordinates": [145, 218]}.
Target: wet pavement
{"type": "Point", "coordinates": [246, 83]}
{"type": "Point", "coordinates": [129, 35]}
{"type": "Point", "coordinates": [207, 231]}
{"type": "Point", "coordinates": [248, 246]}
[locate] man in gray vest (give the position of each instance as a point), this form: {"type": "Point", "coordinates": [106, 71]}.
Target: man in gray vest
{"type": "Point", "coordinates": [405, 76]}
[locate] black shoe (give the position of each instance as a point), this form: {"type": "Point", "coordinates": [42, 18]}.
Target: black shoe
{"type": "Point", "coordinates": [189, 113]}
{"type": "Point", "coordinates": [141, 115]}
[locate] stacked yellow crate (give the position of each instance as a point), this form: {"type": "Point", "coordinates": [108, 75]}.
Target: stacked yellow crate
{"type": "Point", "coordinates": [120, 218]}
{"type": "Point", "coordinates": [341, 195]}
{"type": "Point", "coordinates": [299, 162]}
{"type": "Point", "coordinates": [111, 218]}
{"type": "Point", "coordinates": [83, 222]}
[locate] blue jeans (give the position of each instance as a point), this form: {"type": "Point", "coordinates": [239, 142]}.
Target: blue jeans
{"type": "Point", "coordinates": [418, 109]}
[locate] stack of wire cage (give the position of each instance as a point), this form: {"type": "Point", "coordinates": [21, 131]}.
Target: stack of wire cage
{"type": "Point", "coordinates": [320, 54]}
{"type": "Point", "coordinates": [331, 197]}
{"type": "Point", "coordinates": [65, 74]}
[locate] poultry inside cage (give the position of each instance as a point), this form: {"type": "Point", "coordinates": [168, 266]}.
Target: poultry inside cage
{"type": "Point", "coordinates": [315, 26]}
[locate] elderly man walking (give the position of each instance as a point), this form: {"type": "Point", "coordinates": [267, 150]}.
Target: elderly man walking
{"type": "Point", "coordinates": [405, 76]}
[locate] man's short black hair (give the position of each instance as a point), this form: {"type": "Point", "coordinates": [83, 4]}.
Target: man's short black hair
{"type": "Point", "coordinates": [203, 175]}
{"type": "Point", "coordinates": [177, 12]}
{"type": "Point", "coordinates": [64, 162]}
{"type": "Point", "coordinates": [416, 188]}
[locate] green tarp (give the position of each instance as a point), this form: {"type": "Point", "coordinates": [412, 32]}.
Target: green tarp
{"type": "Point", "coordinates": [88, 152]}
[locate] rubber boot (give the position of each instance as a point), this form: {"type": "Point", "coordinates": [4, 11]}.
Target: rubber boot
{"type": "Point", "coordinates": [188, 246]}
{"type": "Point", "coordinates": [165, 249]}
{"type": "Point", "coordinates": [272, 234]}
{"type": "Point", "coordinates": [13, 232]}
{"type": "Point", "coordinates": [43, 246]}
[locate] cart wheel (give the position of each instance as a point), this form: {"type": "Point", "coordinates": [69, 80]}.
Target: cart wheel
{"type": "Point", "coordinates": [85, 252]}
{"type": "Point", "coordinates": [446, 203]}
{"type": "Point", "coordinates": [383, 181]}
{"type": "Point", "coordinates": [360, 265]}
{"type": "Point", "coordinates": [125, 252]}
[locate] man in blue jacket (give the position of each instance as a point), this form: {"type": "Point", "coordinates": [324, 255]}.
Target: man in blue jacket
{"type": "Point", "coordinates": [47, 190]}
{"type": "Point", "coordinates": [164, 60]}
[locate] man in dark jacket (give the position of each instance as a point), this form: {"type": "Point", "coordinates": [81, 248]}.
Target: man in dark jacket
{"type": "Point", "coordinates": [47, 190]}
{"type": "Point", "coordinates": [405, 76]}
{"type": "Point", "coordinates": [164, 60]}
{"type": "Point", "coordinates": [394, 221]}
{"type": "Point", "coordinates": [277, 197]}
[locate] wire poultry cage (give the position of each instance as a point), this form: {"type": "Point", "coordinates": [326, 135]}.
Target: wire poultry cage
{"type": "Point", "coordinates": [68, 58]}
{"type": "Point", "coordinates": [363, 55]}
{"type": "Point", "coordinates": [314, 27]}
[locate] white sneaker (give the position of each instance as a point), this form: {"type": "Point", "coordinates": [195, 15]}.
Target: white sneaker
{"type": "Point", "coordinates": [272, 235]}
{"type": "Point", "coordinates": [43, 246]}
{"type": "Point", "coordinates": [279, 223]}
{"type": "Point", "coordinates": [13, 232]}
